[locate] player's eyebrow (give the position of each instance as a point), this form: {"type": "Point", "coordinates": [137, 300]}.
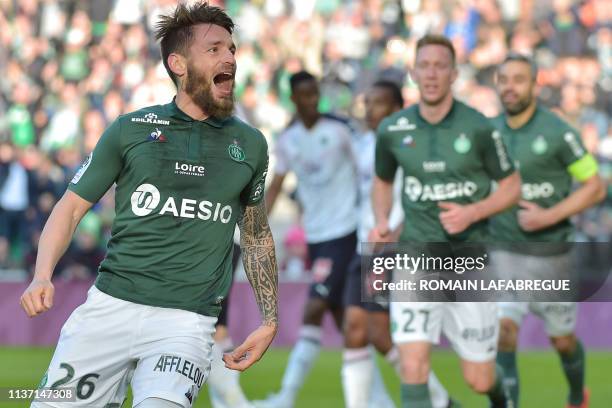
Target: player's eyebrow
{"type": "Point", "coordinates": [232, 46]}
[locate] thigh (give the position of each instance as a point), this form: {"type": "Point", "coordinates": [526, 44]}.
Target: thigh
{"type": "Point", "coordinates": [559, 317]}
{"type": "Point", "coordinates": [174, 355]}
{"type": "Point", "coordinates": [472, 329]}
{"type": "Point", "coordinates": [93, 355]}
{"type": "Point", "coordinates": [416, 322]}
{"type": "Point", "coordinates": [352, 290]}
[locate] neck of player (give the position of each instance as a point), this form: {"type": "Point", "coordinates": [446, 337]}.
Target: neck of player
{"type": "Point", "coordinates": [520, 119]}
{"type": "Point", "coordinates": [309, 120]}
{"type": "Point", "coordinates": [188, 106]}
{"type": "Point", "coordinates": [435, 113]}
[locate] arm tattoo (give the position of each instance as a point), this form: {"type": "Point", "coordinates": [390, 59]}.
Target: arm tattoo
{"type": "Point", "coordinates": [259, 259]}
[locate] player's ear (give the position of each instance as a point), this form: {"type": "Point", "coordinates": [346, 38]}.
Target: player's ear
{"type": "Point", "coordinates": [178, 64]}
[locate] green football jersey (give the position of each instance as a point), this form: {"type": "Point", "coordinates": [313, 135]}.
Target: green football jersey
{"type": "Point", "coordinates": [454, 161]}
{"type": "Point", "coordinates": [548, 153]}
{"type": "Point", "coordinates": [180, 187]}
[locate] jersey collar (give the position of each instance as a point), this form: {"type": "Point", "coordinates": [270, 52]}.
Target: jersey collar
{"type": "Point", "coordinates": [175, 112]}
{"type": "Point", "coordinates": [445, 123]}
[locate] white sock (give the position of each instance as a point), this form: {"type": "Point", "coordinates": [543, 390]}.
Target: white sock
{"type": "Point", "coordinates": [379, 397]}
{"type": "Point", "coordinates": [224, 384]}
{"type": "Point", "coordinates": [393, 358]}
{"type": "Point", "coordinates": [303, 355]}
{"type": "Point", "coordinates": [357, 368]}
{"type": "Point", "coordinates": [439, 395]}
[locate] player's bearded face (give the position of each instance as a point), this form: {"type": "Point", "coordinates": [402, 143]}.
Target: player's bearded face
{"type": "Point", "coordinates": [516, 87]}
{"type": "Point", "coordinates": [515, 103]}
{"type": "Point", "coordinates": [199, 87]}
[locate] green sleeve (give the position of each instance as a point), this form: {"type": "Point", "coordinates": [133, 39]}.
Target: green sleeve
{"type": "Point", "coordinates": [578, 161]}
{"type": "Point", "coordinates": [495, 157]}
{"type": "Point", "coordinates": [101, 168]}
{"type": "Point", "coordinates": [385, 162]}
{"type": "Point", "coordinates": [253, 193]}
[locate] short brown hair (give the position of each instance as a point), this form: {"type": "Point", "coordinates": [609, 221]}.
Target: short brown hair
{"type": "Point", "coordinates": [435, 39]}
{"type": "Point", "coordinates": [175, 30]}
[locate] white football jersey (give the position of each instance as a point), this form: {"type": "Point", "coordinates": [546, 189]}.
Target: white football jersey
{"type": "Point", "coordinates": [364, 148]}
{"type": "Point", "coordinates": [322, 160]}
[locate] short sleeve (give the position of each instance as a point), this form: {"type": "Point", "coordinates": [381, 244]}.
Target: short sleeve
{"type": "Point", "coordinates": [385, 162]}
{"type": "Point", "coordinates": [578, 161]}
{"type": "Point", "coordinates": [101, 168]}
{"type": "Point", "coordinates": [253, 193]}
{"type": "Point", "coordinates": [497, 161]}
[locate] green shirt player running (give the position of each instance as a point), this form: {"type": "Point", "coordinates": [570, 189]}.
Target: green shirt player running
{"type": "Point", "coordinates": [449, 154]}
{"type": "Point", "coordinates": [186, 173]}
{"type": "Point", "coordinates": [549, 154]}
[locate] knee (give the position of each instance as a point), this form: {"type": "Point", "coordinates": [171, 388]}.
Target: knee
{"type": "Point", "coordinates": [481, 384]}
{"type": "Point", "coordinates": [564, 344]}
{"type": "Point", "coordinates": [355, 330]}
{"type": "Point", "coordinates": [415, 370]}
{"type": "Point", "coordinates": [508, 335]}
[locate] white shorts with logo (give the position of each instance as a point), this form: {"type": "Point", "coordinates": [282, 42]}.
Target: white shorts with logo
{"type": "Point", "coordinates": [108, 343]}
{"type": "Point", "coordinates": [471, 328]}
{"type": "Point", "coordinates": [559, 317]}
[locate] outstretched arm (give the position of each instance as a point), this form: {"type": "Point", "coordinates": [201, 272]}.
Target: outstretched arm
{"type": "Point", "coordinates": [261, 269]}
{"type": "Point", "coordinates": [55, 238]}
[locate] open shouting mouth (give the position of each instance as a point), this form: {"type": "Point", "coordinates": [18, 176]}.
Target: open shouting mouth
{"type": "Point", "coordinates": [224, 83]}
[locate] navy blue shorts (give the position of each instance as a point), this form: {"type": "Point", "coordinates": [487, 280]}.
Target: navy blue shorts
{"type": "Point", "coordinates": [355, 287]}
{"type": "Point", "coordinates": [330, 262]}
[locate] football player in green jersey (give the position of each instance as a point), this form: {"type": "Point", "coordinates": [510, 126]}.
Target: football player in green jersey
{"type": "Point", "coordinates": [449, 154]}
{"type": "Point", "coordinates": [186, 173]}
{"type": "Point", "coordinates": [549, 154]}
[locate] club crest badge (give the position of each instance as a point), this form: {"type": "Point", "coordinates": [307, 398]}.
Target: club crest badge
{"type": "Point", "coordinates": [235, 152]}
{"type": "Point", "coordinates": [462, 144]}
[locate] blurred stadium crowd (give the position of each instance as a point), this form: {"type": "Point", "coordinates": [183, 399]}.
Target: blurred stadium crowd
{"type": "Point", "coordinates": [70, 67]}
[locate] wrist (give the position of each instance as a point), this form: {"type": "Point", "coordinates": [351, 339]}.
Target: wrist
{"type": "Point", "coordinates": [475, 213]}
{"type": "Point", "coordinates": [41, 277]}
{"type": "Point", "coordinates": [551, 217]}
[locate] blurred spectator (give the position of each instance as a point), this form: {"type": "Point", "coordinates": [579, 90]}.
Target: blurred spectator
{"type": "Point", "coordinates": [69, 68]}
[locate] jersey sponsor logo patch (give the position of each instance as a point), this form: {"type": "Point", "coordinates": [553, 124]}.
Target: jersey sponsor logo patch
{"type": "Point", "coordinates": [180, 365]}
{"type": "Point", "coordinates": [82, 169]}
{"type": "Point", "coordinates": [504, 161]}
{"type": "Point", "coordinates": [157, 136]}
{"type": "Point", "coordinates": [185, 169]}
{"type": "Point", "coordinates": [434, 166]}
{"type": "Point", "coordinates": [235, 152]}
{"type": "Point", "coordinates": [571, 140]}
{"type": "Point", "coordinates": [151, 118]}
{"type": "Point", "coordinates": [402, 124]}
{"type": "Point", "coordinates": [534, 191]}
{"type": "Point", "coordinates": [146, 198]}
{"type": "Point", "coordinates": [462, 144]}
{"type": "Point", "coordinates": [416, 191]}
{"type": "Point", "coordinates": [539, 145]}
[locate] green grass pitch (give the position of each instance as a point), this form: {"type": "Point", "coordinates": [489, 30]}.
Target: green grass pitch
{"type": "Point", "coordinates": [542, 381]}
